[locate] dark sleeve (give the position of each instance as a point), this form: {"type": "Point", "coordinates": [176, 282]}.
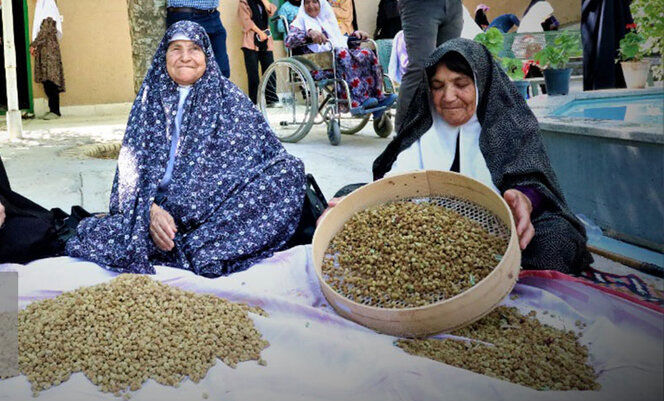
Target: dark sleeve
{"type": "Point", "coordinates": [4, 180]}
{"type": "Point", "coordinates": [353, 44]}
{"type": "Point", "coordinates": [379, 21]}
{"type": "Point", "coordinates": [536, 198]}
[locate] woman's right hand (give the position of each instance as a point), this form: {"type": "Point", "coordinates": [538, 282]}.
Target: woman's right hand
{"type": "Point", "coordinates": [32, 51]}
{"type": "Point", "coordinates": [332, 203]}
{"type": "Point", "coordinates": [2, 215]}
{"type": "Point", "coordinates": [316, 36]}
{"type": "Point", "coordinates": [262, 36]}
{"type": "Point", "coordinates": [162, 228]}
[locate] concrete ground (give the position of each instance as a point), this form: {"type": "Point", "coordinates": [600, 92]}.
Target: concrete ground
{"type": "Point", "coordinates": [48, 167]}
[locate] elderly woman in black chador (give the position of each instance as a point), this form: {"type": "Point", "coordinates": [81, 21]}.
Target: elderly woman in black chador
{"type": "Point", "coordinates": [468, 117]}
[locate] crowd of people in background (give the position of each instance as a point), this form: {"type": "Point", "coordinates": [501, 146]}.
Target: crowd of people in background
{"type": "Point", "coordinates": [415, 28]}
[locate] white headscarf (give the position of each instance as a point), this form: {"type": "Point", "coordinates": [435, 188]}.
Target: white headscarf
{"type": "Point", "coordinates": [45, 9]}
{"type": "Point", "coordinates": [532, 22]}
{"type": "Point", "coordinates": [470, 28]}
{"type": "Point", "coordinates": [326, 20]}
{"type": "Point", "coordinates": [435, 149]}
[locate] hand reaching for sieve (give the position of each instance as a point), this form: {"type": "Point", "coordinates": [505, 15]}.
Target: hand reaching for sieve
{"type": "Point", "coordinates": [162, 228]}
{"type": "Point", "coordinates": [2, 214]}
{"type": "Point", "coordinates": [330, 204]}
{"type": "Point", "coordinates": [521, 209]}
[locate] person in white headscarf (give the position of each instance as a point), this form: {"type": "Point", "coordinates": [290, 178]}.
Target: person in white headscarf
{"type": "Point", "coordinates": [45, 48]}
{"type": "Point", "coordinates": [315, 30]}
{"type": "Point", "coordinates": [532, 21]}
{"type": "Point", "coordinates": [45, 9]}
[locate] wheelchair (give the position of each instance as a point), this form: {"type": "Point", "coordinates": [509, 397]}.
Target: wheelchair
{"type": "Point", "coordinates": [292, 102]}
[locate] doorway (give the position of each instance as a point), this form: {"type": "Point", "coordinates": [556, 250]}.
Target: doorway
{"type": "Point", "coordinates": [23, 70]}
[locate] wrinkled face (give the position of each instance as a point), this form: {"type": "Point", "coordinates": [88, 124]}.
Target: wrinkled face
{"type": "Point", "coordinates": [185, 62]}
{"type": "Point", "coordinates": [312, 8]}
{"type": "Point", "coordinates": [453, 95]}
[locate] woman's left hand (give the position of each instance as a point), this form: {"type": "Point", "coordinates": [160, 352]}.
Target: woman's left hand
{"type": "Point", "coordinates": [521, 209]}
{"type": "Point", "coordinates": [361, 35]}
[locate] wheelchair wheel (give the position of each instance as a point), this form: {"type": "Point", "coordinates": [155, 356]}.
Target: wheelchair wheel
{"type": "Point", "coordinates": [383, 126]}
{"type": "Point", "coordinates": [348, 124]}
{"type": "Point", "coordinates": [334, 133]}
{"type": "Point", "coordinates": [352, 125]}
{"type": "Point", "coordinates": [288, 99]}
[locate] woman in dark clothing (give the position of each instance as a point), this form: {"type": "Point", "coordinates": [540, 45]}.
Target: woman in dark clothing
{"type": "Point", "coordinates": [48, 65]}
{"type": "Point", "coordinates": [480, 16]}
{"type": "Point", "coordinates": [491, 135]}
{"type": "Point", "coordinates": [388, 21]}
{"type": "Point", "coordinates": [29, 231]}
{"type": "Point", "coordinates": [257, 44]}
{"type": "Point", "coordinates": [603, 25]}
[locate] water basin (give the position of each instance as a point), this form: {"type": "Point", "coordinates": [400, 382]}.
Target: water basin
{"type": "Point", "coordinates": [644, 109]}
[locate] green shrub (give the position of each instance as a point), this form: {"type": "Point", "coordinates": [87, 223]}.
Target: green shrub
{"type": "Point", "coordinates": [630, 47]}
{"type": "Point", "coordinates": [492, 39]}
{"type": "Point", "coordinates": [564, 47]}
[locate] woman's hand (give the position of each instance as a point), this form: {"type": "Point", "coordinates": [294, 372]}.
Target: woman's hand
{"type": "Point", "coordinates": [32, 51]}
{"type": "Point", "coordinates": [361, 35]}
{"type": "Point", "coordinates": [2, 215]}
{"type": "Point", "coordinates": [316, 36]}
{"type": "Point", "coordinates": [262, 36]}
{"type": "Point", "coordinates": [162, 228]}
{"type": "Point", "coordinates": [521, 209]}
{"type": "Point", "coordinates": [332, 203]}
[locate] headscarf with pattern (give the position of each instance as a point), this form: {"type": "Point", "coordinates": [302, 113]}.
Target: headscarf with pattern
{"type": "Point", "coordinates": [511, 145]}
{"type": "Point", "coordinates": [236, 194]}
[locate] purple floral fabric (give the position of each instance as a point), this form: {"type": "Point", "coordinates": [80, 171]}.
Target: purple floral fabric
{"type": "Point", "coordinates": [358, 67]}
{"type": "Point", "coordinates": [236, 194]}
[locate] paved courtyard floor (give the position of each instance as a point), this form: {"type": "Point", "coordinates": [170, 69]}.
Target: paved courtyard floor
{"type": "Point", "coordinates": [47, 164]}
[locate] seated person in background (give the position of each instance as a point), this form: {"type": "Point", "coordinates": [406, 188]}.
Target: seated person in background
{"type": "Point", "coordinates": [504, 22]}
{"type": "Point", "coordinates": [202, 184]}
{"type": "Point", "coordinates": [468, 117]}
{"type": "Point", "coordinates": [289, 10]}
{"type": "Point", "coordinates": [29, 231]}
{"type": "Point", "coordinates": [314, 26]}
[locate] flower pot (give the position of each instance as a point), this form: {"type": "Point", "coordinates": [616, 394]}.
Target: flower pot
{"type": "Point", "coordinates": [557, 80]}
{"type": "Point", "coordinates": [636, 73]}
{"type": "Point", "coordinates": [522, 87]}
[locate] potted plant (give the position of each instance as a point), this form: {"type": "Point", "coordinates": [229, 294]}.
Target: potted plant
{"type": "Point", "coordinates": [634, 68]}
{"type": "Point", "coordinates": [492, 39]}
{"type": "Point", "coordinates": [514, 69]}
{"type": "Point", "coordinates": [554, 58]}
{"type": "Point", "coordinates": [648, 17]}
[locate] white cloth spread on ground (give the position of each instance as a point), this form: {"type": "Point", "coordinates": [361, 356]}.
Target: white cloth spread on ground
{"type": "Point", "coordinates": [315, 354]}
{"type": "Point", "coordinates": [45, 9]}
{"type": "Point", "coordinates": [325, 21]}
